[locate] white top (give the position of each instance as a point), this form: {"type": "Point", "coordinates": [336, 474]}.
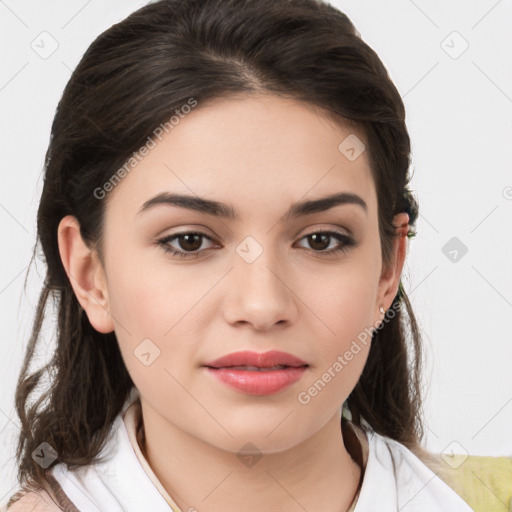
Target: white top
{"type": "Point", "coordinates": [394, 478]}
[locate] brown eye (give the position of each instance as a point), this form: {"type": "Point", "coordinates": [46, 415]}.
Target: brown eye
{"type": "Point", "coordinates": [189, 244]}
{"type": "Point", "coordinates": [319, 241]}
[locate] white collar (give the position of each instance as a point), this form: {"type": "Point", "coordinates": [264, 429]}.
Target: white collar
{"type": "Point", "coordinates": [394, 479]}
{"type": "Point", "coordinates": [118, 483]}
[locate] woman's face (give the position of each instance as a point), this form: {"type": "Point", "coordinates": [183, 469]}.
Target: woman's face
{"type": "Point", "coordinates": [254, 281]}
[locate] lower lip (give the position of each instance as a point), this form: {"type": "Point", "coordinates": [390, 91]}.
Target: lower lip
{"type": "Point", "coordinates": [258, 382]}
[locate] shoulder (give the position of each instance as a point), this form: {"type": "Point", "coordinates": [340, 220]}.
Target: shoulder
{"type": "Point", "coordinates": [32, 501]}
{"type": "Point", "coordinates": [47, 496]}
{"type": "Point", "coordinates": [415, 480]}
{"type": "Point", "coordinates": [485, 482]}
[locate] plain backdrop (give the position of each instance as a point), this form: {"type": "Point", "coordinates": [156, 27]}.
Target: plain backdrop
{"type": "Point", "coordinates": [451, 62]}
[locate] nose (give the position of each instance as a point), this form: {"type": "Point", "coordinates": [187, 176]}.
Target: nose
{"type": "Point", "coordinates": [260, 293]}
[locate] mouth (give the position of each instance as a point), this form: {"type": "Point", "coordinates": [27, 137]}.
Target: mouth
{"type": "Point", "coordinates": [256, 361]}
{"type": "Point", "coordinates": [255, 373]}
{"type": "Point", "coordinates": [255, 368]}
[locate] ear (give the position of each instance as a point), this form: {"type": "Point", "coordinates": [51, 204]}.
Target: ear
{"type": "Point", "coordinates": [390, 277]}
{"type": "Point", "coordinates": [85, 273]}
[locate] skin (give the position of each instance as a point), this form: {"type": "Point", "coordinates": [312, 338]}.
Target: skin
{"type": "Point", "coordinates": [260, 153]}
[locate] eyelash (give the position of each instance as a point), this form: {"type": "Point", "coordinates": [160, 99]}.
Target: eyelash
{"type": "Point", "coordinates": [347, 243]}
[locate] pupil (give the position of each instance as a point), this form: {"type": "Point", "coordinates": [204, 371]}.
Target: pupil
{"type": "Point", "coordinates": [190, 239]}
{"type": "Point", "coordinates": [315, 238]}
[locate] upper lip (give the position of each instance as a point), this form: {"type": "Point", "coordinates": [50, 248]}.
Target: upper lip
{"type": "Point", "coordinates": [261, 360]}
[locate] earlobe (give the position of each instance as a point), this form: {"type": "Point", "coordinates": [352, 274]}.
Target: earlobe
{"type": "Point", "coordinates": [85, 273]}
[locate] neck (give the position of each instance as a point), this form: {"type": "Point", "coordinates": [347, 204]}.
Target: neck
{"type": "Point", "coordinates": [317, 474]}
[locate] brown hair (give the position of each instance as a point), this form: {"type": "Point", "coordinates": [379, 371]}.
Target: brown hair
{"type": "Point", "coordinates": [130, 80]}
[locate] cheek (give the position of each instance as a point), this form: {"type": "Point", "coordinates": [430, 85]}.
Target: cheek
{"type": "Point", "coordinates": [148, 294]}
{"type": "Point", "coordinates": [147, 324]}
{"type": "Point", "coordinates": [137, 301]}
{"type": "Point", "coordinates": [345, 299]}
{"type": "Point", "coordinates": [343, 305]}
{"type": "Point", "coordinates": [156, 309]}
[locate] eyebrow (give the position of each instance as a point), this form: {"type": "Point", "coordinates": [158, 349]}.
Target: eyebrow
{"type": "Point", "coordinates": [227, 211]}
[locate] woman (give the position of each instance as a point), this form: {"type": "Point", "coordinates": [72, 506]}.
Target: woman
{"type": "Point", "coordinates": [224, 218]}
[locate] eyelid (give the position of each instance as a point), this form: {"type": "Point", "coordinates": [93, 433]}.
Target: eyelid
{"type": "Point", "coordinates": [347, 242]}
{"type": "Point", "coordinates": [326, 227]}
{"type": "Point", "coordinates": [323, 228]}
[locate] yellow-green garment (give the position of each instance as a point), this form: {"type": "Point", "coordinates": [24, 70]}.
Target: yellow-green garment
{"type": "Point", "coordinates": [485, 483]}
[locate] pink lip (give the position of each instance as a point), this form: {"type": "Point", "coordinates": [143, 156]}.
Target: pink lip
{"type": "Point", "coordinates": [262, 360]}
{"type": "Point", "coordinates": [257, 382]}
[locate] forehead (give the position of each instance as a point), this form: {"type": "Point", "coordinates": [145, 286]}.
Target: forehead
{"type": "Point", "coordinates": [253, 151]}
